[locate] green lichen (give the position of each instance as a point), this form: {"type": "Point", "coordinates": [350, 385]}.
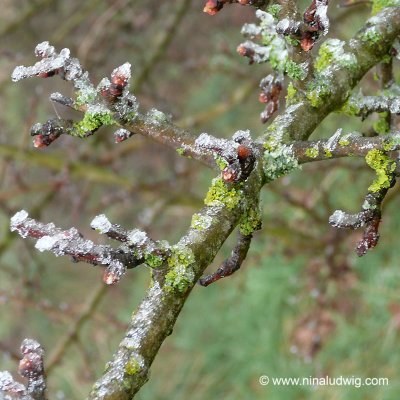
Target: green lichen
{"type": "Point", "coordinates": [91, 122]}
{"type": "Point", "coordinates": [180, 275]}
{"type": "Point", "coordinates": [152, 260]}
{"type": "Point", "coordinates": [85, 97]}
{"type": "Point", "coordinates": [200, 222]}
{"type": "Point", "coordinates": [317, 91]}
{"type": "Point", "coordinates": [220, 161]}
{"type": "Point", "coordinates": [344, 142]}
{"type": "Point", "coordinates": [372, 36]}
{"type": "Point", "coordinates": [328, 153]}
{"type": "Point", "coordinates": [391, 144]}
{"type": "Point", "coordinates": [382, 125]}
{"type": "Point", "coordinates": [251, 221]}
{"type": "Point", "coordinates": [332, 52]}
{"type": "Point", "coordinates": [312, 152]}
{"type": "Point", "coordinates": [384, 168]}
{"type": "Point", "coordinates": [132, 367]}
{"type": "Point", "coordinates": [220, 194]}
{"type": "Point", "coordinates": [180, 151]}
{"type": "Point", "coordinates": [378, 5]}
{"type": "Point", "coordinates": [278, 162]}
{"type": "Point", "coordinates": [291, 41]}
{"type": "Point", "coordinates": [350, 108]}
{"type": "Point", "coordinates": [295, 71]}
{"type": "Point", "coordinates": [291, 94]}
{"type": "Point", "coordinates": [274, 10]}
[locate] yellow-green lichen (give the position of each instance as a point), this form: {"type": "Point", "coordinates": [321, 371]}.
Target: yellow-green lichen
{"type": "Point", "coordinates": [332, 52]}
{"type": "Point", "coordinates": [382, 125]}
{"type": "Point", "coordinates": [132, 367]}
{"type": "Point", "coordinates": [295, 71]}
{"type": "Point", "coordinates": [91, 122]}
{"type": "Point", "coordinates": [372, 36]}
{"type": "Point", "coordinates": [201, 222]}
{"type": "Point", "coordinates": [317, 91]}
{"type": "Point", "coordinates": [274, 10]}
{"type": "Point", "coordinates": [391, 144]}
{"type": "Point", "coordinates": [251, 221]}
{"type": "Point", "coordinates": [328, 153]}
{"type": "Point", "coordinates": [180, 274]}
{"type": "Point", "coordinates": [85, 97]}
{"type": "Point", "coordinates": [344, 142]}
{"type": "Point", "coordinates": [384, 168]}
{"type": "Point", "coordinates": [220, 194]}
{"type": "Point", "coordinates": [350, 108]}
{"type": "Point", "coordinates": [378, 5]}
{"type": "Point", "coordinates": [279, 162]}
{"type": "Point", "coordinates": [312, 152]}
{"type": "Point", "coordinates": [220, 161]}
{"type": "Point", "coordinates": [291, 94]}
{"type": "Point", "coordinates": [180, 151]}
{"type": "Point", "coordinates": [152, 260]}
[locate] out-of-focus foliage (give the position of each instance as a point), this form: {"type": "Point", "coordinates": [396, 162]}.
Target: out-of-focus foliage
{"type": "Point", "coordinates": [302, 305]}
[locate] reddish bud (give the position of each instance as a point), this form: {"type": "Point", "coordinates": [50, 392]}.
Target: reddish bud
{"type": "Point", "coordinates": [213, 6]}
{"type": "Point", "coordinates": [307, 43]}
{"type": "Point", "coordinates": [263, 97]}
{"type": "Point", "coordinates": [229, 174]}
{"type": "Point", "coordinates": [243, 152]}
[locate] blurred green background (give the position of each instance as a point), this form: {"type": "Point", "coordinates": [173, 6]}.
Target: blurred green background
{"type": "Point", "coordinates": [302, 305]}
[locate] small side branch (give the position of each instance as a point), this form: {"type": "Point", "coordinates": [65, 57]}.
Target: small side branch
{"type": "Point", "coordinates": [231, 264]}
{"type": "Point", "coordinates": [370, 215]}
{"type": "Point", "coordinates": [71, 243]}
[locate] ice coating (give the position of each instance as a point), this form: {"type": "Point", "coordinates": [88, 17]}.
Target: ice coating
{"type": "Point", "coordinates": [121, 134]}
{"type": "Point", "coordinates": [340, 219]}
{"type": "Point", "coordinates": [101, 224]}
{"type": "Point", "coordinates": [44, 50]}
{"type": "Point", "coordinates": [45, 65]}
{"type": "Point", "coordinates": [18, 218]}
{"type": "Point", "coordinates": [321, 14]}
{"type": "Point", "coordinates": [123, 71]}
{"type": "Point", "coordinates": [8, 385]}
{"type": "Point", "coordinates": [137, 237]}
{"type": "Point", "coordinates": [46, 243]}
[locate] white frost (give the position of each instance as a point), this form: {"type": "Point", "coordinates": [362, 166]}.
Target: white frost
{"type": "Point", "coordinates": [101, 224]}
{"type": "Point", "coordinates": [46, 243]}
{"type": "Point", "coordinates": [18, 218]}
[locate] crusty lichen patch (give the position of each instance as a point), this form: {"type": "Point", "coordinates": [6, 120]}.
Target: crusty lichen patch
{"type": "Point", "coordinates": [384, 168]}
{"type": "Point", "coordinates": [180, 274]}
{"type": "Point", "coordinates": [220, 194]}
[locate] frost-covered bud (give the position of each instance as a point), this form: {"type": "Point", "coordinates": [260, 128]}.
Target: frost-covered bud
{"type": "Point", "coordinates": [229, 174]}
{"type": "Point", "coordinates": [213, 6]}
{"type": "Point", "coordinates": [119, 79]}
{"type": "Point", "coordinates": [44, 50]}
{"type": "Point", "coordinates": [122, 134]}
{"type": "Point", "coordinates": [113, 273]}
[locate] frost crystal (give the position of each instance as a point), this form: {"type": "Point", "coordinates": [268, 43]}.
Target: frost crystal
{"type": "Point", "coordinates": [137, 237]}
{"type": "Point", "coordinates": [46, 243]}
{"type": "Point", "coordinates": [44, 50]}
{"type": "Point", "coordinates": [321, 15]}
{"type": "Point", "coordinates": [19, 217]}
{"type": "Point", "coordinates": [101, 224]}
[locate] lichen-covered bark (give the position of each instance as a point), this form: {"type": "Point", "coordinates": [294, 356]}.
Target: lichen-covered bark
{"type": "Point", "coordinates": [369, 46]}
